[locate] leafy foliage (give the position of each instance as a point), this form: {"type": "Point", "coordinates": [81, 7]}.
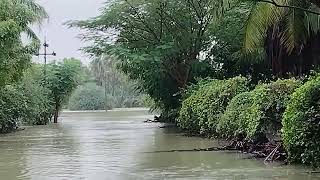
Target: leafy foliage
{"type": "Point", "coordinates": [201, 111]}
{"type": "Point", "coordinates": [301, 129]}
{"type": "Point", "coordinates": [287, 31]}
{"type": "Point", "coordinates": [62, 78]}
{"type": "Point", "coordinates": [119, 90]}
{"type": "Point", "coordinates": [226, 52]}
{"type": "Point", "coordinates": [298, 25]}
{"type": "Point", "coordinates": [21, 101]}
{"type": "Point", "coordinates": [258, 113]}
{"type": "Point", "coordinates": [15, 17]}
{"type": "Point", "coordinates": [87, 97]}
{"type": "Point", "coordinates": [26, 102]}
{"type": "Point", "coordinates": [12, 108]}
{"type": "Point", "coordinates": [37, 109]}
{"type": "Point", "coordinates": [157, 42]}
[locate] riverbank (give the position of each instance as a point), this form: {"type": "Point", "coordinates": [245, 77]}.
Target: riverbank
{"type": "Point", "coordinates": [276, 120]}
{"type": "Point", "coordinates": [267, 152]}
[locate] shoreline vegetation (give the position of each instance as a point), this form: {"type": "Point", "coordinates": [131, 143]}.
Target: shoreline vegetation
{"type": "Point", "coordinates": [267, 152]}
{"type": "Point", "coordinates": [240, 71]}
{"type": "Point", "coordinates": [257, 121]}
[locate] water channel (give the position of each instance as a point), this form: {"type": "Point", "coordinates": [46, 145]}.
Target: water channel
{"type": "Point", "coordinates": [118, 145]}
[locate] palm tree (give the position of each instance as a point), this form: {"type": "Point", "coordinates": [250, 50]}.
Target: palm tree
{"type": "Point", "coordinates": [287, 30]}
{"type": "Point", "coordinates": [99, 69]}
{"type": "Point", "coordinates": [16, 16]}
{"type": "Point", "coordinates": [36, 15]}
{"type": "Point", "coordinates": [297, 25]}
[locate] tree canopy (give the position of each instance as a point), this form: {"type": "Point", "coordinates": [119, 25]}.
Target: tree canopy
{"type": "Point", "coordinates": [62, 78]}
{"type": "Point", "coordinates": [157, 42]}
{"type": "Point", "coordinates": [15, 18]}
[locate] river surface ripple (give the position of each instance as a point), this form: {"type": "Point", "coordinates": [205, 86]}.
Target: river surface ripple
{"type": "Point", "coordinates": [118, 145]}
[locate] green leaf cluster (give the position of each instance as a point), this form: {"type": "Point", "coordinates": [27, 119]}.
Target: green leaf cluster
{"type": "Point", "coordinates": [62, 78]}
{"type": "Point", "coordinates": [301, 124]}
{"type": "Point", "coordinates": [157, 41]}
{"type": "Point", "coordinates": [15, 18]}
{"type": "Point", "coordinates": [257, 113]}
{"type": "Point", "coordinates": [202, 110]}
{"type": "Point", "coordinates": [25, 102]}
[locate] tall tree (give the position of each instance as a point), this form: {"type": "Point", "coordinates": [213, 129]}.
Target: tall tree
{"type": "Point", "coordinates": [62, 78]}
{"type": "Point", "coordinates": [289, 32]}
{"type": "Point", "coordinates": [157, 41]}
{"type": "Point", "coordinates": [116, 84]}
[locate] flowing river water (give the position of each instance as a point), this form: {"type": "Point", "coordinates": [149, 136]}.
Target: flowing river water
{"type": "Point", "coordinates": [118, 145]}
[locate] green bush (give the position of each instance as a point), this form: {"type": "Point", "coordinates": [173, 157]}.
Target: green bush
{"type": "Point", "coordinates": [234, 120]}
{"type": "Point", "coordinates": [257, 114]}
{"type": "Point", "coordinates": [11, 103]}
{"type": "Point", "coordinates": [88, 97]}
{"type": "Point", "coordinates": [201, 111]}
{"type": "Point", "coordinates": [301, 124]}
{"type": "Point", "coordinates": [23, 103]}
{"type": "Point", "coordinates": [38, 108]}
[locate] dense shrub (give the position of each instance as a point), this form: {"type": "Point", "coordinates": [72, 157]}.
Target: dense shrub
{"type": "Point", "coordinates": [11, 103]}
{"type": "Point", "coordinates": [301, 124]}
{"type": "Point", "coordinates": [257, 114]}
{"type": "Point", "coordinates": [202, 110]}
{"type": "Point", "coordinates": [234, 121]}
{"type": "Point", "coordinates": [87, 97]}
{"type": "Point", "coordinates": [24, 103]}
{"type": "Point", "coordinates": [38, 108]}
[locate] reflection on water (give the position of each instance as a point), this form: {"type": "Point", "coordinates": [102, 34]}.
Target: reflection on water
{"type": "Point", "coordinates": [118, 145]}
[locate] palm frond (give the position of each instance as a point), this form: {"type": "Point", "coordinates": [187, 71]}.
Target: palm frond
{"type": "Point", "coordinates": [295, 32]}
{"type": "Point", "coordinates": [262, 16]}
{"type": "Point", "coordinates": [313, 21]}
{"type": "Point", "coordinates": [39, 12]}
{"type": "Point", "coordinates": [31, 34]}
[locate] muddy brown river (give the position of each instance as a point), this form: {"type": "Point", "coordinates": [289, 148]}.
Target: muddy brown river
{"type": "Point", "coordinates": [118, 145]}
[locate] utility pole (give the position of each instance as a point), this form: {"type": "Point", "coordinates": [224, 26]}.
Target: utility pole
{"type": "Point", "coordinates": [45, 54]}
{"type": "Point", "coordinates": [105, 90]}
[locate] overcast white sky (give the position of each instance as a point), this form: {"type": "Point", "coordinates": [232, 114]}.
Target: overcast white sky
{"type": "Point", "coordinates": [61, 39]}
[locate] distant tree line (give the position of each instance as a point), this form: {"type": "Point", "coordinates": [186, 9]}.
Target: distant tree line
{"type": "Point", "coordinates": [105, 87]}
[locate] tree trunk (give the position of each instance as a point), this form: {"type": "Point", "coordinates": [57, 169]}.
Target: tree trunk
{"type": "Point", "coordinates": [56, 114]}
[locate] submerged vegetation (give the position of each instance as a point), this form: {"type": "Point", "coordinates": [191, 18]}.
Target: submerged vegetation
{"type": "Point", "coordinates": [17, 100]}
{"type": "Point", "coordinates": [36, 99]}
